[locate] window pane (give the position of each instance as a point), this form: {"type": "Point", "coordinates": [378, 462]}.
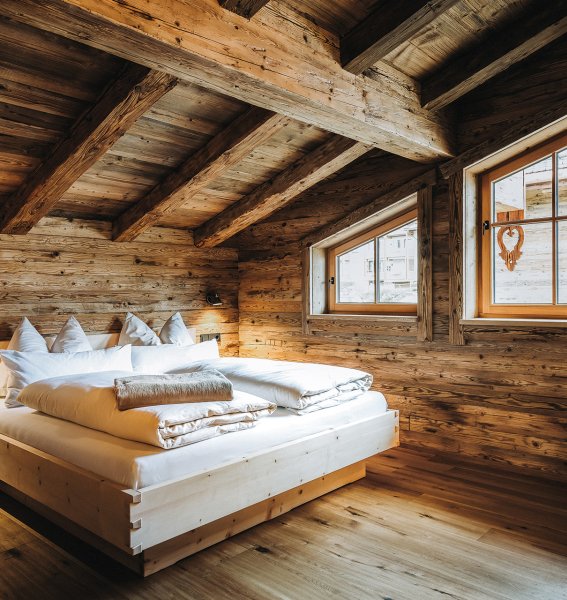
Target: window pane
{"type": "Point", "coordinates": [356, 275]}
{"type": "Point", "coordinates": [562, 183]}
{"type": "Point", "coordinates": [562, 262]}
{"type": "Point", "coordinates": [528, 279]}
{"type": "Point", "coordinates": [526, 194]}
{"type": "Point", "coordinates": [398, 261]}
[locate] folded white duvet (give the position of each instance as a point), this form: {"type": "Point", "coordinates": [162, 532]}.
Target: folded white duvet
{"type": "Point", "coordinates": [89, 399]}
{"type": "Point", "coordinates": [299, 387]}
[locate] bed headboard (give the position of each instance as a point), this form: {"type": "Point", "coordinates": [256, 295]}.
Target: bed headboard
{"type": "Point", "coordinates": [99, 340]}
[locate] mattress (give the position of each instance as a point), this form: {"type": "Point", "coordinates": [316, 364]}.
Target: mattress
{"type": "Point", "coordinates": [136, 465]}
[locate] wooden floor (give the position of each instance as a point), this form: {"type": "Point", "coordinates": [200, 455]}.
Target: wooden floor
{"type": "Point", "coordinates": [419, 527]}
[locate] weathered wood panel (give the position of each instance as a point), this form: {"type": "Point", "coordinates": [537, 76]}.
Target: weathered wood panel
{"type": "Point", "coordinates": [502, 395]}
{"type": "Point", "coordinates": [496, 398]}
{"type": "Point", "coordinates": [62, 268]}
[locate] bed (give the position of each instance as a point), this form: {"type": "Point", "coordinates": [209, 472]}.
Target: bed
{"type": "Point", "coordinates": [120, 495]}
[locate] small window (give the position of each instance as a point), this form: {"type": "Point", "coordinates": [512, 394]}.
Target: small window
{"type": "Point", "coordinates": [375, 271]}
{"type": "Point", "coordinates": [523, 246]}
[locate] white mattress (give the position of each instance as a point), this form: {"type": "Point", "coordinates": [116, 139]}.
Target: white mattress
{"type": "Point", "coordinates": [136, 465]}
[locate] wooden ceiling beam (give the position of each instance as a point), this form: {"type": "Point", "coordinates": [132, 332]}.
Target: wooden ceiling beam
{"type": "Point", "coordinates": [388, 27]}
{"type": "Point", "coordinates": [280, 191]}
{"type": "Point", "coordinates": [244, 8]}
{"type": "Point", "coordinates": [254, 61]}
{"type": "Point", "coordinates": [133, 92]}
{"type": "Point", "coordinates": [516, 42]}
{"type": "Point", "coordinates": [221, 153]}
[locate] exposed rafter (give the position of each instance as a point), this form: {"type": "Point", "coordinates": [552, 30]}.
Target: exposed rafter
{"type": "Point", "coordinates": [388, 27]}
{"type": "Point", "coordinates": [133, 92]}
{"type": "Point", "coordinates": [283, 189]}
{"type": "Point", "coordinates": [244, 8]}
{"type": "Point", "coordinates": [507, 47]}
{"type": "Point", "coordinates": [221, 153]}
{"type": "Point", "coordinates": [258, 63]}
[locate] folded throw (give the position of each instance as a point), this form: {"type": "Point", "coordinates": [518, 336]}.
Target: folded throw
{"type": "Point", "coordinates": [152, 390]}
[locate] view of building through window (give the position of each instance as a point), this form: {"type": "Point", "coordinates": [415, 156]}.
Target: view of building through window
{"type": "Point", "coordinates": [529, 244]}
{"type": "Point", "coordinates": [392, 257]}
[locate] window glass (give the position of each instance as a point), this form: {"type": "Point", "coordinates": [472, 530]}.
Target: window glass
{"type": "Point", "coordinates": [526, 194]}
{"type": "Point", "coordinates": [522, 264]}
{"type": "Point", "coordinates": [376, 271]}
{"type": "Point", "coordinates": [397, 255]}
{"type": "Point", "coordinates": [355, 269]}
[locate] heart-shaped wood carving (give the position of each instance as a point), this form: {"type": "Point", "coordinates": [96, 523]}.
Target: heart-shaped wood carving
{"type": "Point", "coordinates": [510, 248]}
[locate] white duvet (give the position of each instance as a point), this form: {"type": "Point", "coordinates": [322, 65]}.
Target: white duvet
{"type": "Point", "coordinates": [89, 399]}
{"type": "Point", "coordinates": [299, 387]}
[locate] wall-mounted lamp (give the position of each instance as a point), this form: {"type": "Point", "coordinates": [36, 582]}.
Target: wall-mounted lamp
{"type": "Point", "coordinates": [213, 299]}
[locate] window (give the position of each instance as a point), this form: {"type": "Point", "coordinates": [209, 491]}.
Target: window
{"type": "Point", "coordinates": [375, 272]}
{"type": "Point", "coordinates": [523, 245]}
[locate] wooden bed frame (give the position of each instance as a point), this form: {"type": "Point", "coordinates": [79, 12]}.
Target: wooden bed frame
{"type": "Point", "coordinates": [153, 527]}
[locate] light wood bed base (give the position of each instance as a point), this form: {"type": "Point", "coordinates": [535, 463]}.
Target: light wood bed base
{"type": "Point", "coordinates": [153, 527]}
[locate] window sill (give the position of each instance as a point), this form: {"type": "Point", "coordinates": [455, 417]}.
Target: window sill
{"type": "Point", "coordinates": [364, 317]}
{"type": "Point", "coordinates": [361, 325]}
{"type": "Point", "coordinates": [488, 322]}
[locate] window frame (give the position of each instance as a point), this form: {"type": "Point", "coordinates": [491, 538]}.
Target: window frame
{"type": "Point", "coordinates": [375, 308]}
{"type": "Point", "coordinates": [485, 307]}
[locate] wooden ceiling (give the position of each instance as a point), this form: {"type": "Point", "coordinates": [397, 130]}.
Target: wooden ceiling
{"type": "Point", "coordinates": [213, 121]}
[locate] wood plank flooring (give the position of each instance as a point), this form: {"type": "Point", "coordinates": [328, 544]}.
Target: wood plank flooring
{"type": "Point", "coordinates": [421, 526]}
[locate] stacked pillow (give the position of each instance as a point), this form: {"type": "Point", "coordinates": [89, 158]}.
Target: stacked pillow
{"type": "Point", "coordinates": [136, 332]}
{"type": "Point", "coordinates": [29, 359]}
{"type": "Point", "coordinates": [172, 351]}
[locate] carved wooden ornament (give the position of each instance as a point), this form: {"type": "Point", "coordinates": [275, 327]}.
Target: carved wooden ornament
{"type": "Point", "coordinates": [510, 255]}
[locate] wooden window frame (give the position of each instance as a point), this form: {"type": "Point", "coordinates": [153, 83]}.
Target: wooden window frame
{"type": "Point", "coordinates": [486, 308]}
{"type": "Point", "coordinates": [376, 308]}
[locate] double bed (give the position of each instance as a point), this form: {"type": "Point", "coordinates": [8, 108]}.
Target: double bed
{"type": "Point", "coordinates": [148, 507]}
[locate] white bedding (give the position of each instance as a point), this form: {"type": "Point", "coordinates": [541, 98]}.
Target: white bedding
{"type": "Point", "coordinates": [136, 465]}
{"type": "Point", "coordinates": [89, 399]}
{"type": "Point", "coordinates": [299, 387]}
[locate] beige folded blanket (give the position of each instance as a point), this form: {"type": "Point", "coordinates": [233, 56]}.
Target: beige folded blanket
{"type": "Point", "coordinates": [137, 391]}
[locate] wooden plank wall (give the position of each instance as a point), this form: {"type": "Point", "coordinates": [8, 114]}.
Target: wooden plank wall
{"type": "Point", "coordinates": [502, 395]}
{"type": "Point", "coordinates": [71, 267]}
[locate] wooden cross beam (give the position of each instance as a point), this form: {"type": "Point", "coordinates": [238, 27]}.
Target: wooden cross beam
{"type": "Point", "coordinates": [221, 153]}
{"type": "Point", "coordinates": [133, 92]}
{"type": "Point", "coordinates": [280, 191]}
{"type": "Point", "coordinates": [244, 8]}
{"type": "Point", "coordinates": [255, 61]}
{"type": "Point", "coordinates": [505, 48]}
{"type": "Point", "coordinates": [388, 27]}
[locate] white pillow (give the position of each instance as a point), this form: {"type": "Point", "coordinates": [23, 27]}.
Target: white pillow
{"type": "Point", "coordinates": [27, 367]}
{"type": "Point", "coordinates": [71, 338]}
{"type": "Point", "coordinates": [136, 332]}
{"type": "Point", "coordinates": [167, 358]}
{"type": "Point", "coordinates": [26, 338]}
{"type": "Point", "coordinates": [175, 332]}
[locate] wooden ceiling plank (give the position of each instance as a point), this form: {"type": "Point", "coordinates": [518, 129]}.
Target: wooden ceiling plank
{"type": "Point", "coordinates": [125, 100]}
{"type": "Point", "coordinates": [253, 61]}
{"type": "Point", "coordinates": [505, 48]}
{"type": "Point", "coordinates": [244, 8]}
{"type": "Point", "coordinates": [388, 27]}
{"type": "Point", "coordinates": [221, 153]}
{"type": "Point", "coordinates": [280, 191]}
